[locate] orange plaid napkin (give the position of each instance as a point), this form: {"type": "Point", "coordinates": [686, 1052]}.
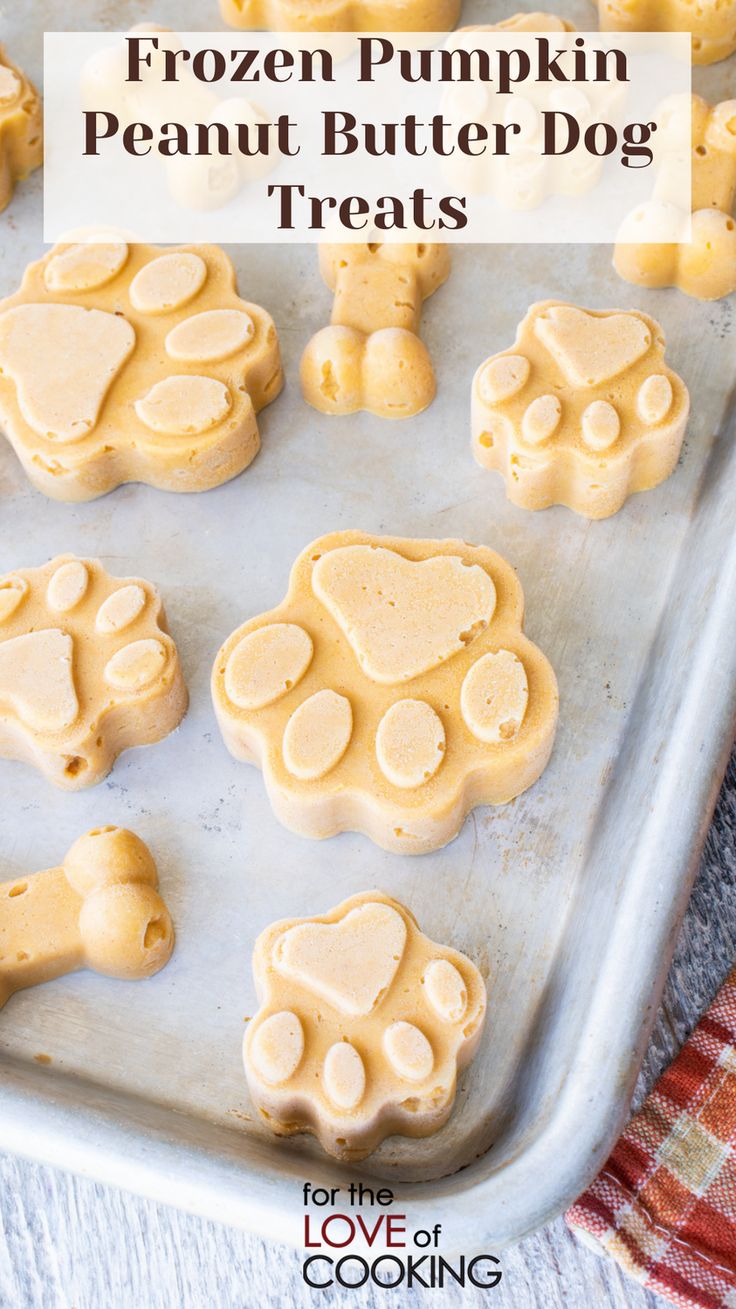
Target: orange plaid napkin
{"type": "Point", "coordinates": [664, 1204]}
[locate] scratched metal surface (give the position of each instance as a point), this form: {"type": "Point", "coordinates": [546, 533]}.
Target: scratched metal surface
{"type": "Point", "coordinates": [568, 899]}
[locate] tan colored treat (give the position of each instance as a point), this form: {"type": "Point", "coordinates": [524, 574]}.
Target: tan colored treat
{"type": "Point", "coordinates": [535, 22]}
{"type": "Point", "coordinates": [391, 692]}
{"type": "Point", "coordinates": [21, 128]}
{"type": "Point", "coordinates": [134, 364]}
{"type": "Point", "coordinates": [712, 22]}
{"type": "Point", "coordinates": [581, 410]}
{"type": "Point", "coordinates": [363, 1027]}
{"type": "Point", "coordinates": [704, 267]}
{"type": "Point", "coordinates": [99, 910]}
{"type": "Point", "coordinates": [343, 15]}
{"type": "Point", "coordinates": [371, 357]}
{"type": "Point", "coordinates": [87, 669]}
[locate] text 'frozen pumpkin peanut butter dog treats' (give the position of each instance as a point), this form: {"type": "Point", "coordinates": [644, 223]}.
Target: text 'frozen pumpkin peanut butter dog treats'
{"type": "Point", "coordinates": [87, 669]}
{"type": "Point", "coordinates": [363, 1027]}
{"type": "Point", "coordinates": [100, 909]}
{"type": "Point", "coordinates": [391, 692]}
{"type": "Point", "coordinates": [704, 266]}
{"type": "Point", "coordinates": [712, 22]}
{"type": "Point", "coordinates": [133, 363]}
{"type": "Point", "coordinates": [580, 411]}
{"type": "Point", "coordinates": [371, 357]}
{"type": "Point", "coordinates": [21, 128]}
{"type": "Point", "coordinates": [343, 15]}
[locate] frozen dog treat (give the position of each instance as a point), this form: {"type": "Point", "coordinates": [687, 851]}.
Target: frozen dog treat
{"type": "Point", "coordinates": [133, 364]}
{"type": "Point", "coordinates": [704, 267]}
{"type": "Point", "coordinates": [87, 669]}
{"type": "Point", "coordinates": [391, 692]}
{"type": "Point", "coordinates": [191, 179]}
{"type": "Point", "coordinates": [712, 22]}
{"type": "Point", "coordinates": [343, 15]}
{"type": "Point", "coordinates": [363, 1027]}
{"type": "Point", "coordinates": [21, 128]}
{"type": "Point", "coordinates": [535, 22]}
{"type": "Point", "coordinates": [581, 411]}
{"type": "Point", "coordinates": [99, 910]}
{"type": "Point", "coordinates": [371, 357]}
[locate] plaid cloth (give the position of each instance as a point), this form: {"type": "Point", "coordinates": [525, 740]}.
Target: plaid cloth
{"type": "Point", "coordinates": [664, 1204]}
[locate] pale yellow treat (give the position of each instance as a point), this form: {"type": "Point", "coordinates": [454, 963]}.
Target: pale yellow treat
{"type": "Point", "coordinates": [99, 910]}
{"type": "Point", "coordinates": [581, 410]}
{"type": "Point", "coordinates": [134, 364]}
{"type": "Point", "coordinates": [363, 1027]}
{"type": "Point", "coordinates": [534, 22]}
{"type": "Point", "coordinates": [704, 267]}
{"type": "Point", "coordinates": [343, 15]}
{"type": "Point", "coordinates": [372, 357]}
{"type": "Point", "coordinates": [87, 669]}
{"type": "Point", "coordinates": [21, 128]}
{"type": "Point", "coordinates": [391, 692]}
{"type": "Point", "coordinates": [712, 22]}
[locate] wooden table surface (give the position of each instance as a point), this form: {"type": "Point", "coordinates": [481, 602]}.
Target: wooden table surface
{"type": "Point", "coordinates": [66, 1243]}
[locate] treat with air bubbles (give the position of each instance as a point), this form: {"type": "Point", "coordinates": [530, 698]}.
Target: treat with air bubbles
{"type": "Point", "coordinates": [711, 22]}
{"type": "Point", "coordinates": [581, 410]}
{"type": "Point", "coordinates": [21, 128]}
{"type": "Point", "coordinates": [134, 363]}
{"type": "Point", "coordinates": [391, 692]}
{"type": "Point", "coordinates": [87, 669]}
{"type": "Point", "coordinates": [363, 1026]}
{"type": "Point", "coordinates": [342, 15]}
{"type": "Point", "coordinates": [100, 909]}
{"type": "Point", "coordinates": [704, 266]}
{"type": "Point", "coordinates": [371, 357]}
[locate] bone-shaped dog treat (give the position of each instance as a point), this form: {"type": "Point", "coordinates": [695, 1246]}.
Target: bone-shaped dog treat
{"type": "Point", "coordinates": [197, 182]}
{"type": "Point", "coordinates": [705, 266]}
{"type": "Point", "coordinates": [712, 22]}
{"type": "Point", "coordinates": [371, 357]}
{"type": "Point", "coordinates": [363, 1026]}
{"type": "Point", "coordinates": [100, 909]}
{"type": "Point", "coordinates": [21, 128]}
{"type": "Point", "coordinates": [343, 15]}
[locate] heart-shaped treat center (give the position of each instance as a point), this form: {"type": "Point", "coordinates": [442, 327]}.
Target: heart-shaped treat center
{"type": "Point", "coordinates": [37, 681]}
{"type": "Point", "coordinates": [401, 617]}
{"type": "Point", "coordinates": [351, 964]}
{"type": "Point", "coordinates": [591, 350]}
{"type": "Point", "coordinates": [63, 360]}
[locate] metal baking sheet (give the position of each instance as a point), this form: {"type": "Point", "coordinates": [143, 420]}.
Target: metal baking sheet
{"type": "Point", "coordinates": [569, 899]}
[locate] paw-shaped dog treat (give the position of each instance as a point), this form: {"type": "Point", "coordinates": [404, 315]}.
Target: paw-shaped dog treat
{"type": "Point", "coordinates": [581, 411]}
{"type": "Point", "coordinates": [134, 364]}
{"type": "Point", "coordinates": [391, 692]}
{"type": "Point", "coordinates": [704, 267]}
{"type": "Point", "coordinates": [363, 1027]}
{"type": "Point", "coordinates": [371, 357]}
{"type": "Point", "coordinates": [343, 15]}
{"type": "Point", "coordinates": [87, 669]}
{"type": "Point", "coordinates": [21, 128]}
{"type": "Point", "coordinates": [99, 910]}
{"type": "Point", "coordinates": [712, 22]}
